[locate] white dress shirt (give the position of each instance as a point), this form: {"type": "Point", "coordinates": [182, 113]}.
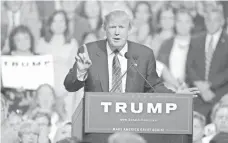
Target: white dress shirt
{"type": "Point", "coordinates": [178, 57]}
{"type": "Point", "coordinates": [216, 37]}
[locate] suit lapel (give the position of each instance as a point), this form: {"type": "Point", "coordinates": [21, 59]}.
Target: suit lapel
{"type": "Point", "coordinates": [131, 74]}
{"type": "Point", "coordinates": [220, 47]}
{"type": "Point", "coordinates": [102, 65]}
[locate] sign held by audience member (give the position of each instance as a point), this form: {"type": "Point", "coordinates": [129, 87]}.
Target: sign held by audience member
{"type": "Point", "coordinates": [27, 72]}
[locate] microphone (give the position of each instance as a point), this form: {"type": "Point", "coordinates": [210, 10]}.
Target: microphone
{"type": "Point", "coordinates": [135, 58]}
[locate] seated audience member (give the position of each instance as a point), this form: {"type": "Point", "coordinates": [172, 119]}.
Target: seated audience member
{"type": "Point", "coordinates": [125, 137]}
{"type": "Point", "coordinates": [58, 43]}
{"type": "Point", "coordinates": [165, 27]}
{"type": "Point", "coordinates": [29, 132]}
{"type": "Point", "coordinates": [199, 122]}
{"type": "Point", "coordinates": [21, 43]}
{"type": "Point", "coordinates": [173, 52]}
{"type": "Point", "coordinates": [92, 12]}
{"type": "Point", "coordinates": [15, 13]}
{"type": "Point", "coordinates": [44, 122]}
{"type": "Point", "coordinates": [219, 118]}
{"type": "Point", "coordinates": [45, 101]}
{"type": "Point", "coordinates": [207, 66]}
{"type": "Point", "coordinates": [63, 132]}
{"type": "Point", "coordinates": [8, 134]}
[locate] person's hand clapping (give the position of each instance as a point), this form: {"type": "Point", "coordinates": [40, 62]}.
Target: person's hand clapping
{"type": "Point", "coordinates": [83, 61]}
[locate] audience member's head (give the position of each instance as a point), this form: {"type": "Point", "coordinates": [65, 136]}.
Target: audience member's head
{"type": "Point", "coordinates": [70, 8]}
{"type": "Point", "coordinates": [125, 137]}
{"type": "Point", "coordinates": [199, 123]}
{"type": "Point", "coordinates": [214, 19]}
{"type": "Point", "coordinates": [92, 10]}
{"type": "Point", "coordinates": [63, 132]}
{"type": "Point", "coordinates": [117, 25]}
{"type": "Point", "coordinates": [14, 120]}
{"type": "Point", "coordinates": [21, 40]}
{"type": "Point", "coordinates": [165, 18]}
{"type": "Point", "coordinates": [69, 140]}
{"type": "Point", "coordinates": [58, 25]}
{"type": "Point", "coordinates": [219, 116]}
{"type": "Point", "coordinates": [29, 132]}
{"type": "Point", "coordinates": [143, 11]}
{"type": "Point", "coordinates": [42, 119]}
{"type": "Point", "coordinates": [13, 5]}
{"type": "Point", "coordinates": [184, 22]}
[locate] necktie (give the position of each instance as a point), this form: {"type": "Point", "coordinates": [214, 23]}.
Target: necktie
{"type": "Point", "coordinates": [116, 74]}
{"type": "Point", "coordinates": [208, 58]}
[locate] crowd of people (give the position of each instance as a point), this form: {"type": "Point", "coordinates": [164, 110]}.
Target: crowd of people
{"type": "Point", "coordinates": [177, 32]}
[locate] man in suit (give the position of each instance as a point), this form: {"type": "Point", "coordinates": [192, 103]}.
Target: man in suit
{"type": "Point", "coordinates": [207, 63]}
{"type": "Point", "coordinates": [100, 66]}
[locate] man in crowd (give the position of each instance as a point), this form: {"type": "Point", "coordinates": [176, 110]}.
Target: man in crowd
{"type": "Point", "coordinates": [125, 137]}
{"type": "Point", "coordinates": [100, 65]}
{"type": "Point", "coordinates": [207, 63]}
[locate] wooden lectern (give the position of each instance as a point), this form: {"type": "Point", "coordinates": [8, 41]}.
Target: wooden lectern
{"type": "Point", "coordinates": [152, 115]}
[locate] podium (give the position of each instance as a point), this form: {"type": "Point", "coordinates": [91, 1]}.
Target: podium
{"type": "Point", "coordinates": [161, 115]}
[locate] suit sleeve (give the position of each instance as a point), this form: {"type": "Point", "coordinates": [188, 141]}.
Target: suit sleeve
{"type": "Point", "coordinates": [219, 79]}
{"type": "Point", "coordinates": [191, 75]}
{"type": "Point", "coordinates": [71, 81]}
{"type": "Point", "coordinates": [153, 78]}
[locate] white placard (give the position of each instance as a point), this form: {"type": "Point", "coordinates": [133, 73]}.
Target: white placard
{"type": "Point", "coordinates": [27, 72]}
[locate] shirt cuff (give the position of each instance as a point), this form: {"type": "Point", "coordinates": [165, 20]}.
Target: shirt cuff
{"type": "Point", "coordinates": [82, 75]}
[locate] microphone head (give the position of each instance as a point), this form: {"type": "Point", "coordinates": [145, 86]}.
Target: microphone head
{"type": "Point", "coordinates": [127, 55]}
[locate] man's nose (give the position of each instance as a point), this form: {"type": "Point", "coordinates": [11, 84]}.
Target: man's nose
{"type": "Point", "coordinates": [117, 31]}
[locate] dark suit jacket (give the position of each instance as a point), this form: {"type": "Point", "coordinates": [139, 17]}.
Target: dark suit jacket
{"type": "Point", "coordinates": [97, 80]}
{"type": "Point", "coordinates": [220, 138]}
{"type": "Point", "coordinates": [218, 75]}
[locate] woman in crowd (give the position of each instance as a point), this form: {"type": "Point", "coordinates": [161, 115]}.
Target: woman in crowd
{"type": "Point", "coordinates": [21, 43]}
{"type": "Point", "coordinates": [45, 101]}
{"type": "Point", "coordinates": [142, 30]}
{"type": "Point", "coordinates": [165, 27]}
{"type": "Point", "coordinates": [92, 12]}
{"type": "Point", "coordinates": [199, 122]}
{"type": "Point", "coordinates": [58, 43]}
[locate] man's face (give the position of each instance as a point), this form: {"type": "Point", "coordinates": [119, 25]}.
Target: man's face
{"type": "Point", "coordinates": [183, 24]}
{"type": "Point", "coordinates": [213, 22]}
{"type": "Point", "coordinates": [117, 32]}
{"type": "Point", "coordinates": [221, 119]}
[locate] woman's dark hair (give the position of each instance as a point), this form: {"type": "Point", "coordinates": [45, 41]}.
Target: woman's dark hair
{"type": "Point", "coordinates": [49, 33]}
{"type": "Point", "coordinates": [166, 7]}
{"type": "Point", "coordinates": [151, 26]}
{"type": "Point", "coordinates": [20, 29]}
{"type": "Point", "coordinates": [83, 14]}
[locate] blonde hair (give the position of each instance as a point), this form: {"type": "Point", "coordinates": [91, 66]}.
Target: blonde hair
{"type": "Point", "coordinates": [200, 117]}
{"type": "Point", "coordinates": [215, 109]}
{"type": "Point", "coordinates": [119, 14]}
{"type": "Point", "coordinates": [123, 137]}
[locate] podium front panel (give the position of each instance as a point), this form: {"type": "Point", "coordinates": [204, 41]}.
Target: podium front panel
{"type": "Point", "coordinates": [157, 113]}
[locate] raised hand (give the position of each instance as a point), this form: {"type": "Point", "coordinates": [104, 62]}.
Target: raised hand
{"type": "Point", "coordinates": [83, 60]}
